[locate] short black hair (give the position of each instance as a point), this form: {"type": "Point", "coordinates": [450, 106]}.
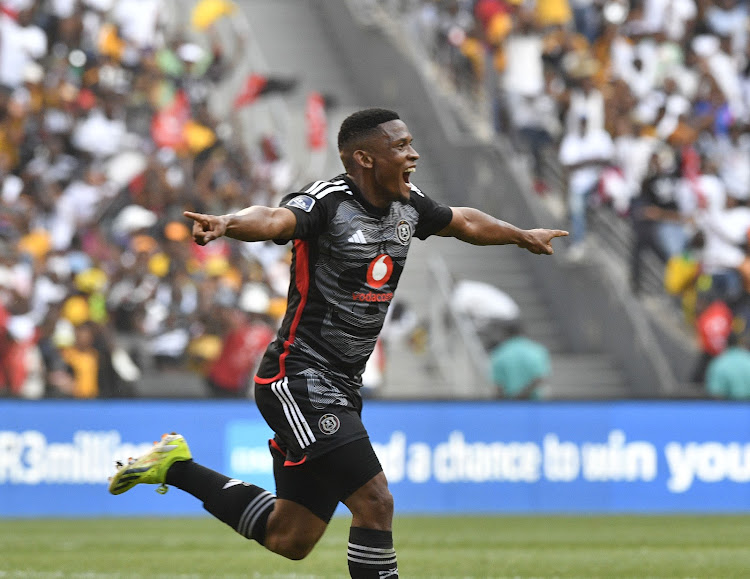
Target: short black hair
{"type": "Point", "coordinates": [362, 124]}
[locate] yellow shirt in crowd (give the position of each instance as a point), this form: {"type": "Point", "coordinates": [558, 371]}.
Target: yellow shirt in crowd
{"type": "Point", "coordinates": [85, 365]}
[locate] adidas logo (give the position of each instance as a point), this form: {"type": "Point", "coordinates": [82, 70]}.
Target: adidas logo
{"type": "Point", "coordinates": [358, 237]}
{"type": "Point", "coordinates": [233, 483]}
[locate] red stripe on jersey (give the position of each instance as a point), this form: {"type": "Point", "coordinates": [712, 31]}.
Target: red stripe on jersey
{"type": "Point", "coordinates": [299, 462]}
{"type": "Point", "coordinates": [302, 282]}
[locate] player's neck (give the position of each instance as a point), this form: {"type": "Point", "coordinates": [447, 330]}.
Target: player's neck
{"type": "Point", "coordinates": [370, 192]}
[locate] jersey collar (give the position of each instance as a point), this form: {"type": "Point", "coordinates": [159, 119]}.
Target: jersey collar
{"type": "Point", "coordinates": [369, 207]}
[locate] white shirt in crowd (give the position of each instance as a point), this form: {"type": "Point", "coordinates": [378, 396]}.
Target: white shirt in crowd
{"type": "Point", "coordinates": [706, 195]}
{"type": "Point", "coordinates": [734, 166]}
{"type": "Point", "coordinates": [138, 21]}
{"type": "Point", "coordinates": [640, 79]}
{"type": "Point", "coordinates": [731, 22]}
{"type": "Point", "coordinates": [593, 145]}
{"type": "Point", "coordinates": [19, 46]}
{"type": "Point", "coordinates": [631, 156]}
{"type": "Point", "coordinates": [589, 105]}
{"type": "Point", "coordinates": [669, 16]}
{"type": "Point", "coordinates": [725, 234]}
{"type": "Point", "coordinates": [524, 73]}
{"type": "Point", "coordinates": [98, 135]}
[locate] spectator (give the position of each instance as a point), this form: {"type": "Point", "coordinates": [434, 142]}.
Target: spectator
{"type": "Point", "coordinates": [58, 378]}
{"type": "Point", "coordinates": [733, 152]}
{"type": "Point", "coordinates": [168, 344]}
{"type": "Point", "coordinates": [455, 22]}
{"type": "Point", "coordinates": [725, 240]}
{"type": "Point", "coordinates": [583, 152]}
{"type": "Point", "coordinates": [632, 153]}
{"type": "Point", "coordinates": [728, 374]}
{"type": "Point", "coordinates": [536, 120]}
{"type": "Point", "coordinates": [524, 72]}
{"type": "Point", "coordinates": [83, 359]}
{"type": "Point", "coordinates": [658, 221]}
{"type": "Point", "coordinates": [519, 366]}
{"type": "Point", "coordinates": [246, 339]}
{"type": "Point", "coordinates": [586, 100]}
{"type": "Point", "coordinates": [674, 18]}
{"type": "Point", "coordinates": [21, 42]}
{"type": "Point", "coordinates": [18, 357]}
{"type": "Point", "coordinates": [728, 19]}
{"type": "Point", "coordinates": [713, 327]}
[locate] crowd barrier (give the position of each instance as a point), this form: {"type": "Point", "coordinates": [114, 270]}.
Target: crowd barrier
{"type": "Point", "coordinates": [440, 457]}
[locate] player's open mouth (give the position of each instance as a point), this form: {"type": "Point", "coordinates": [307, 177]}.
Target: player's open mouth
{"type": "Point", "coordinates": [407, 173]}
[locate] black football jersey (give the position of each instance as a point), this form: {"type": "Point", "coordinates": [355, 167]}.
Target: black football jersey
{"type": "Point", "coordinates": [346, 262]}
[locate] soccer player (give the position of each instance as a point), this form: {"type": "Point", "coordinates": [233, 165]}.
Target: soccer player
{"type": "Point", "coordinates": [351, 236]}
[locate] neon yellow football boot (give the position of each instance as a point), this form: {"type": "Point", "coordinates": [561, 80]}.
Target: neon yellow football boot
{"type": "Point", "coordinates": [152, 467]}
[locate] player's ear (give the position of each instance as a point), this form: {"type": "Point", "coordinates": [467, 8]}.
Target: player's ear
{"type": "Point", "coordinates": [363, 158]}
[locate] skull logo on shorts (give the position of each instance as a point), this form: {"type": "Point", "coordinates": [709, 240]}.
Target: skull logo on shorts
{"type": "Point", "coordinates": [329, 423]}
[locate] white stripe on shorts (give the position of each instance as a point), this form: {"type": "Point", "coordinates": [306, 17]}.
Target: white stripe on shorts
{"type": "Point", "coordinates": [294, 416]}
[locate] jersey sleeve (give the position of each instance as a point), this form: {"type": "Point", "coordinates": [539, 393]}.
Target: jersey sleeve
{"type": "Point", "coordinates": [433, 216]}
{"type": "Point", "coordinates": [312, 214]}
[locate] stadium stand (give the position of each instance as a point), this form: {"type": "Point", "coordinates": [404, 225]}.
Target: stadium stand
{"type": "Point", "coordinates": [116, 119]}
{"type": "Point", "coordinates": [666, 199]}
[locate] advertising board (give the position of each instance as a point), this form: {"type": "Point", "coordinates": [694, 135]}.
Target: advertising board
{"type": "Point", "coordinates": [440, 457]}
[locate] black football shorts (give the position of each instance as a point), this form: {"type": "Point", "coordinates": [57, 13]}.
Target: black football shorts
{"type": "Point", "coordinates": [321, 452]}
{"type": "Point", "coordinates": [305, 427]}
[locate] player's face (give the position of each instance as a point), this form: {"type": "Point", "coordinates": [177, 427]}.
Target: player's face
{"type": "Point", "coordinates": [394, 160]}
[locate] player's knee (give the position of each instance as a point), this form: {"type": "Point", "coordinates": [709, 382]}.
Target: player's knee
{"type": "Point", "coordinates": [384, 502]}
{"type": "Point", "coordinates": [376, 510]}
{"type": "Point", "coordinates": [289, 546]}
{"type": "Point", "coordinates": [297, 550]}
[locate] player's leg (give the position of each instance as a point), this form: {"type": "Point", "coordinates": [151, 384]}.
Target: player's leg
{"type": "Point", "coordinates": [242, 506]}
{"type": "Point", "coordinates": [326, 442]}
{"type": "Point", "coordinates": [293, 530]}
{"type": "Point", "coordinates": [311, 490]}
{"type": "Point", "coordinates": [284, 526]}
{"type": "Point", "coordinates": [371, 553]}
{"type": "Point", "coordinates": [304, 506]}
{"type": "Point", "coordinates": [307, 498]}
{"type": "Point", "coordinates": [281, 525]}
{"type": "Point", "coordinates": [350, 473]}
{"type": "Point", "coordinates": [372, 505]}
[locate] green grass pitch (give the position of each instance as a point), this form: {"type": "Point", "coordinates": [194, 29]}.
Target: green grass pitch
{"type": "Point", "coordinates": [427, 547]}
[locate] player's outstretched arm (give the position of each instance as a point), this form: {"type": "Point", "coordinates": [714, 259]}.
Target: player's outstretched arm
{"type": "Point", "coordinates": [478, 228]}
{"type": "Point", "coordinates": [256, 223]}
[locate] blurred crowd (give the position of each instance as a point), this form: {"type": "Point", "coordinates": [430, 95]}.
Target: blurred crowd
{"type": "Point", "coordinates": [106, 136]}
{"type": "Point", "coordinates": [643, 108]}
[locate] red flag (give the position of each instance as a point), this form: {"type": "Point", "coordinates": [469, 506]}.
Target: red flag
{"type": "Point", "coordinates": [317, 122]}
{"type": "Point", "coordinates": [167, 126]}
{"type": "Point", "coordinates": [253, 88]}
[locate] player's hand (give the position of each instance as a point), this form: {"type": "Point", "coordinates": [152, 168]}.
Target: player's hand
{"type": "Point", "coordinates": [206, 227]}
{"type": "Point", "coordinates": [539, 241]}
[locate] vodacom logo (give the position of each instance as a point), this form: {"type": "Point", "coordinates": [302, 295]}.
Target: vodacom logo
{"type": "Point", "coordinates": [379, 271]}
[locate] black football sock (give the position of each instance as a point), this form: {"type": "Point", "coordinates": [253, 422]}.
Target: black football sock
{"type": "Point", "coordinates": [242, 506]}
{"type": "Point", "coordinates": [371, 554]}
